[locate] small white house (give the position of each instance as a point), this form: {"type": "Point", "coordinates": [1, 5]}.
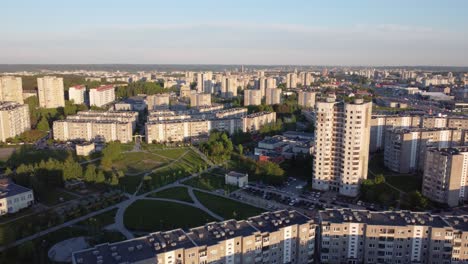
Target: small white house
{"type": "Point", "coordinates": [14, 197]}
{"type": "Point", "coordinates": [237, 179]}
{"type": "Point", "coordinates": [85, 149]}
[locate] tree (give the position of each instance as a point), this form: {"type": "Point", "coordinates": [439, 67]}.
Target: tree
{"type": "Point", "coordinates": [417, 200]}
{"type": "Point", "coordinates": [90, 173]}
{"type": "Point", "coordinates": [72, 169]}
{"type": "Point", "coordinates": [270, 172]}
{"type": "Point", "coordinates": [241, 149]}
{"type": "Point", "coordinates": [379, 179]}
{"type": "Point", "coordinates": [100, 178]}
{"type": "Point", "coordinates": [43, 124]}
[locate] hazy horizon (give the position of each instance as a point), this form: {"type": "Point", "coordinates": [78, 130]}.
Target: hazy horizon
{"type": "Point", "coordinates": [333, 33]}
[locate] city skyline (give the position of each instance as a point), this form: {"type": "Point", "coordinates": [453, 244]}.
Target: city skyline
{"type": "Point", "coordinates": [206, 32]}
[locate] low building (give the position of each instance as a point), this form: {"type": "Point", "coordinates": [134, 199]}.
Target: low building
{"type": "Point", "coordinates": [236, 178]}
{"type": "Point", "coordinates": [14, 197]}
{"type": "Point", "coordinates": [445, 175]}
{"type": "Point", "coordinates": [283, 146]}
{"type": "Point", "coordinates": [85, 149]}
{"type": "Point", "coordinates": [254, 122]}
{"type": "Point", "coordinates": [135, 103]}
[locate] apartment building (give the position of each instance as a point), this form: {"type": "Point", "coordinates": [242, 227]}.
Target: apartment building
{"type": "Point", "coordinates": [305, 78]}
{"type": "Point", "coordinates": [341, 145]}
{"type": "Point", "coordinates": [306, 99]}
{"type": "Point", "coordinates": [252, 97]}
{"type": "Point", "coordinates": [11, 89]}
{"type": "Point", "coordinates": [255, 121]}
{"type": "Point", "coordinates": [102, 95]}
{"type": "Point", "coordinates": [200, 99]}
{"type": "Point", "coordinates": [77, 94]}
{"type": "Point", "coordinates": [14, 197]}
{"type": "Point", "coordinates": [229, 87]}
{"type": "Point", "coordinates": [204, 82]}
{"type": "Point", "coordinates": [291, 80]}
{"type": "Point", "coordinates": [89, 130]}
{"type": "Point", "coordinates": [445, 175]}
{"type": "Point", "coordinates": [50, 92]}
{"type": "Point", "coordinates": [270, 83]}
{"type": "Point", "coordinates": [273, 237]}
{"type": "Point", "coordinates": [14, 120]}
{"type": "Point", "coordinates": [388, 237]}
{"type": "Point", "coordinates": [120, 116]}
{"type": "Point", "coordinates": [157, 101]}
{"type": "Point", "coordinates": [272, 96]}
{"type": "Point", "coordinates": [173, 128]}
{"type": "Point", "coordinates": [381, 123]}
{"type": "Point", "coordinates": [405, 149]}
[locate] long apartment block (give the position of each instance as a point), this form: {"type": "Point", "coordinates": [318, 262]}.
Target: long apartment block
{"type": "Point", "coordinates": [332, 236]}
{"type": "Point", "coordinates": [405, 149]}
{"type": "Point", "coordinates": [172, 128]}
{"type": "Point", "coordinates": [14, 119]}
{"type": "Point", "coordinates": [97, 125]}
{"type": "Point", "coordinates": [445, 175]}
{"type": "Point", "coordinates": [272, 237]}
{"type": "Point", "coordinates": [381, 123]}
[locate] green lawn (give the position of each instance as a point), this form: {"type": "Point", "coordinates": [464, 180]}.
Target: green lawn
{"type": "Point", "coordinates": [55, 197]}
{"type": "Point", "coordinates": [100, 220]}
{"type": "Point", "coordinates": [210, 182]}
{"type": "Point", "coordinates": [227, 208]}
{"type": "Point", "coordinates": [176, 193]}
{"type": "Point", "coordinates": [127, 146]}
{"type": "Point", "coordinates": [150, 216]}
{"type": "Point", "coordinates": [138, 162]}
{"type": "Point", "coordinates": [406, 183]}
{"type": "Point", "coordinates": [170, 153]}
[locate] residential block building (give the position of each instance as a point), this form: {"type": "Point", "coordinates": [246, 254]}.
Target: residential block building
{"type": "Point", "coordinates": [405, 149]}
{"type": "Point", "coordinates": [342, 132]}
{"type": "Point", "coordinates": [252, 97]}
{"type": "Point", "coordinates": [200, 99]}
{"type": "Point", "coordinates": [272, 96]}
{"type": "Point", "coordinates": [157, 101]}
{"type": "Point", "coordinates": [77, 94]}
{"type": "Point", "coordinates": [14, 120]}
{"type": "Point", "coordinates": [291, 80]}
{"type": "Point", "coordinates": [306, 99]}
{"type": "Point", "coordinates": [445, 175]}
{"type": "Point", "coordinates": [273, 237]}
{"type": "Point", "coordinates": [11, 89]}
{"type": "Point", "coordinates": [229, 87]}
{"type": "Point", "coordinates": [102, 95]}
{"type": "Point", "coordinates": [50, 92]}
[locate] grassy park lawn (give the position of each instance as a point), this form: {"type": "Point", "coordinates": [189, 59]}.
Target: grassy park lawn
{"type": "Point", "coordinates": [100, 220]}
{"type": "Point", "coordinates": [127, 146]}
{"type": "Point", "coordinates": [227, 208]}
{"type": "Point", "coordinates": [150, 216]}
{"type": "Point", "coordinates": [176, 193]}
{"type": "Point", "coordinates": [210, 182]}
{"type": "Point", "coordinates": [406, 183]}
{"type": "Point", "coordinates": [139, 162]}
{"type": "Point", "coordinates": [129, 184]}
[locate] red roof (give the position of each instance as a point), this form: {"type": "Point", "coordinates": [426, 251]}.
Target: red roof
{"type": "Point", "coordinates": [79, 87]}
{"type": "Point", "coordinates": [104, 87]}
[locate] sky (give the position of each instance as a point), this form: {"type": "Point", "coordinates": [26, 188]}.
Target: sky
{"type": "Point", "coordinates": [306, 32]}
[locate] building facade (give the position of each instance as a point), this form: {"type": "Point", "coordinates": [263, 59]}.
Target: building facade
{"type": "Point", "coordinates": [102, 95]}
{"type": "Point", "coordinates": [341, 146]}
{"type": "Point", "coordinates": [11, 89]}
{"type": "Point", "coordinates": [77, 94]}
{"type": "Point", "coordinates": [445, 175]}
{"type": "Point", "coordinates": [306, 99]}
{"type": "Point", "coordinates": [405, 149]}
{"type": "Point", "coordinates": [157, 101]}
{"type": "Point", "coordinates": [252, 97]}
{"type": "Point", "coordinates": [14, 120]}
{"type": "Point", "coordinates": [200, 99]}
{"type": "Point", "coordinates": [272, 96]}
{"type": "Point", "coordinates": [14, 197]}
{"type": "Point", "coordinates": [50, 92]}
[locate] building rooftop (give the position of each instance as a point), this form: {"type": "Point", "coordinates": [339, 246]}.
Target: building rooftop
{"type": "Point", "coordinates": [8, 188]}
{"type": "Point", "coordinates": [394, 218]}
{"type": "Point", "coordinates": [272, 221]}
{"type": "Point", "coordinates": [135, 250]}
{"type": "Point", "coordinates": [458, 222]}
{"type": "Point", "coordinates": [213, 233]}
{"type": "Point", "coordinates": [104, 88]}
{"type": "Point", "coordinates": [78, 87]}
{"type": "Point", "coordinates": [236, 174]}
{"type": "Point", "coordinates": [6, 105]}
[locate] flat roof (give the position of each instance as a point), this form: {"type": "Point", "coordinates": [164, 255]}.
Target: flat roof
{"type": "Point", "coordinates": [9, 189]}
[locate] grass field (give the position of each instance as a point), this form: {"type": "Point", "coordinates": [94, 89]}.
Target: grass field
{"type": "Point", "coordinates": [129, 184]}
{"type": "Point", "coordinates": [139, 162]}
{"type": "Point", "coordinates": [150, 216]}
{"type": "Point", "coordinates": [100, 220]}
{"type": "Point", "coordinates": [176, 193]}
{"type": "Point", "coordinates": [210, 182]}
{"type": "Point", "coordinates": [227, 208]}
